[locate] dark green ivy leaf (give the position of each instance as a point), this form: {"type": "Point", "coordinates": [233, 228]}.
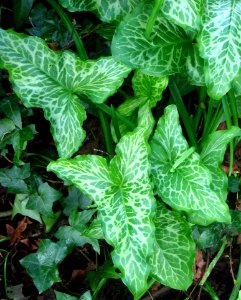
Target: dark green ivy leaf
{"type": "Point", "coordinates": [13, 179]}
{"type": "Point", "coordinates": [42, 201]}
{"type": "Point", "coordinates": [42, 266]}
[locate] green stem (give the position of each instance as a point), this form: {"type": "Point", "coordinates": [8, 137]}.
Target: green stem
{"type": "Point", "coordinates": [115, 124]}
{"type": "Point", "coordinates": [202, 96]}
{"type": "Point", "coordinates": [229, 125]}
{"type": "Point", "coordinates": [233, 106]}
{"type": "Point", "coordinates": [208, 116]}
{"type": "Point", "coordinates": [183, 157]}
{"type": "Point", "coordinates": [213, 263]}
{"type": "Point", "coordinates": [237, 284]}
{"type": "Point", "coordinates": [107, 134]}
{"type": "Point", "coordinates": [183, 112]}
{"type": "Point", "coordinates": [109, 112]}
{"type": "Point", "coordinates": [69, 26]}
{"type": "Point", "coordinates": [152, 18]}
{"type": "Point", "coordinates": [5, 271]}
{"type": "Point", "coordinates": [208, 288]}
{"type": "Point", "coordinates": [99, 286]}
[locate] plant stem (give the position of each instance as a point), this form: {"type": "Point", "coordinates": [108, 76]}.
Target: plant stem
{"type": "Point", "coordinates": [152, 18]}
{"type": "Point", "coordinates": [99, 286]}
{"type": "Point", "coordinates": [115, 124]}
{"type": "Point", "coordinates": [202, 96]}
{"type": "Point", "coordinates": [109, 112]}
{"type": "Point", "coordinates": [237, 284]}
{"type": "Point", "coordinates": [208, 288]}
{"type": "Point", "coordinates": [208, 117]}
{"type": "Point", "coordinates": [69, 26]}
{"type": "Point", "coordinates": [107, 134]}
{"type": "Point", "coordinates": [233, 106]}
{"type": "Point", "coordinates": [213, 263]}
{"type": "Point", "coordinates": [183, 157]}
{"type": "Point", "coordinates": [229, 125]}
{"type": "Point", "coordinates": [183, 112]}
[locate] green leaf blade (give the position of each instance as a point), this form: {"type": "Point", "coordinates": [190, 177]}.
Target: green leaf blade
{"type": "Point", "coordinates": [125, 203]}
{"type": "Point", "coordinates": [107, 11]}
{"type": "Point", "coordinates": [173, 259]}
{"type": "Point", "coordinates": [188, 186]}
{"type": "Point", "coordinates": [163, 54]}
{"type": "Point", "coordinates": [54, 80]}
{"type": "Point", "coordinates": [220, 45]}
{"type": "Point", "coordinates": [42, 265]}
{"type": "Point", "coordinates": [185, 13]}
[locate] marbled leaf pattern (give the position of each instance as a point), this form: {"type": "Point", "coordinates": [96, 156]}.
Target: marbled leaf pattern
{"type": "Point", "coordinates": [188, 187]}
{"type": "Point", "coordinates": [123, 194]}
{"type": "Point", "coordinates": [53, 81]}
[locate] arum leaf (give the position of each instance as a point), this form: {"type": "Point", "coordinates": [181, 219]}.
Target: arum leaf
{"type": "Point", "coordinates": [149, 87]}
{"type": "Point", "coordinates": [53, 81]}
{"type": "Point", "coordinates": [164, 53]}
{"type": "Point", "coordinates": [125, 203]}
{"type": "Point", "coordinates": [195, 67]}
{"type": "Point", "coordinates": [107, 11]}
{"type": "Point", "coordinates": [220, 44]}
{"type": "Point", "coordinates": [185, 13]}
{"type": "Point", "coordinates": [212, 154]}
{"type": "Point", "coordinates": [182, 181]}
{"type": "Point", "coordinates": [174, 251]}
{"type": "Point", "coordinates": [42, 265]}
{"type": "Point", "coordinates": [148, 91]}
{"type": "Point", "coordinates": [44, 199]}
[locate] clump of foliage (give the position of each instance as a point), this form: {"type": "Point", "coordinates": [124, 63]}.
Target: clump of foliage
{"type": "Point", "coordinates": [161, 185]}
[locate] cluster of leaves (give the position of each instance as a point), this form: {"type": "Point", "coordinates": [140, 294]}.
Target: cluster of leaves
{"type": "Point", "coordinates": [145, 200]}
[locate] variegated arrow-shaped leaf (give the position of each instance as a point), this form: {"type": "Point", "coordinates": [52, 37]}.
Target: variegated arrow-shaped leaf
{"type": "Point", "coordinates": [54, 80]}
{"type": "Point", "coordinates": [125, 203]}
{"type": "Point", "coordinates": [212, 154]}
{"type": "Point", "coordinates": [147, 89]}
{"type": "Point", "coordinates": [195, 67]}
{"type": "Point", "coordinates": [107, 11]}
{"type": "Point", "coordinates": [185, 13]}
{"type": "Point", "coordinates": [220, 44]}
{"type": "Point", "coordinates": [164, 53]}
{"type": "Point", "coordinates": [174, 251]}
{"type": "Point", "coordinates": [182, 181]}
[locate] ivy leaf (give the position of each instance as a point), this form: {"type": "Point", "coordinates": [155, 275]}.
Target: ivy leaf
{"type": "Point", "coordinates": [13, 179]}
{"type": "Point", "coordinates": [19, 207]}
{"type": "Point", "coordinates": [53, 81]}
{"type": "Point", "coordinates": [44, 199]}
{"type": "Point", "coordinates": [185, 186]}
{"type": "Point", "coordinates": [63, 296]}
{"type": "Point", "coordinates": [11, 109]}
{"type": "Point", "coordinates": [220, 44]}
{"type": "Point", "coordinates": [174, 251]}
{"type": "Point", "coordinates": [185, 13]}
{"type": "Point", "coordinates": [6, 126]}
{"type": "Point", "coordinates": [212, 154]}
{"type": "Point", "coordinates": [107, 11]}
{"type": "Point", "coordinates": [75, 199]}
{"type": "Point", "coordinates": [125, 203]}
{"type": "Point", "coordinates": [164, 53]}
{"type": "Point", "coordinates": [42, 265]}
